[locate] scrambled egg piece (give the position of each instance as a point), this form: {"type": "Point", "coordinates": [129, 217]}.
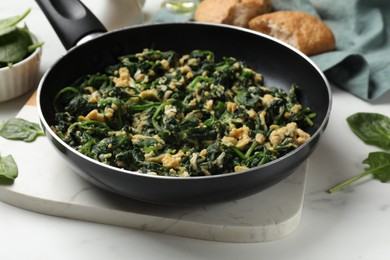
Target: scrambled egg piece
{"type": "Point", "coordinates": [240, 168]}
{"type": "Point", "coordinates": [124, 78]}
{"type": "Point", "coordinates": [170, 110]}
{"type": "Point", "coordinates": [294, 110]}
{"type": "Point", "coordinates": [209, 104]}
{"type": "Point", "coordinates": [109, 111]}
{"type": "Point", "coordinates": [251, 113]}
{"type": "Point", "coordinates": [231, 107]}
{"type": "Point", "coordinates": [290, 130]}
{"type": "Point", "coordinates": [267, 99]}
{"type": "Point", "coordinates": [94, 97]}
{"type": "Point", "coordinates": [229, 141]}
{"type": "Point", "coordinates": [185, 69]}
{"type": "Point", "coordinates": [260, 138]}
{"type": "Point", "coordinates": [262, 120]}
{"type": "Point", "coordinates": [95, 115]}
{"type": "Point", "coordinates": [165, 64]}
{"type": "Point", "coordinates": [149, 94]}
{"type": "Point", "coordinates": [238, 137]}
{"type": "Point", "coordinates": [169, 161]}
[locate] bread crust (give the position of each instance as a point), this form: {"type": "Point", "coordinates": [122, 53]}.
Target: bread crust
{"type": "Point", "coordinates": [303, 31]}
{"type": "Point", "coordinates": [233, 12]}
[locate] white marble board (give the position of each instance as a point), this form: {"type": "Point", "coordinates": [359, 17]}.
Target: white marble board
{"type": "Point", "coordinates": [47, 185]}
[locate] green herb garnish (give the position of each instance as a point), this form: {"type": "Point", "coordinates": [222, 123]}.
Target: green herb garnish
{"type": "Point", "coordinates": [15, 42]}
{"type": "Point", "coordinates": [20, 129]}
{"type": "Point", "coordinates": [373, 129]}
{"type": "Point", "coordinates": [8, 169]}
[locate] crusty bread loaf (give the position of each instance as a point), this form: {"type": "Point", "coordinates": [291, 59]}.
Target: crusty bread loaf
{"type": "Point", "coordinates": [234, 12]}
{"type": "Point", "coordinates": [303, 31]}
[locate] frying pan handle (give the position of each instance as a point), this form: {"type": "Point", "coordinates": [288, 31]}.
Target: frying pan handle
{"type": "Point", "coordinates": [71, 20]}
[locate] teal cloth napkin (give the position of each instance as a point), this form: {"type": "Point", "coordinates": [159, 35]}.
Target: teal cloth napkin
{"type": "Point", "coordinates": [360, 63]}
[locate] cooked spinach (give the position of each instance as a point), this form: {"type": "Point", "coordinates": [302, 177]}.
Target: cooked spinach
{"type": "Point", "coordinates": [20, 129]}
{"type": "Point", "coordinates": [158, 112]}
{"type": "Point", "coordinates": [15, 42]}
{"type": "Point", "coordinates": [8, 169]}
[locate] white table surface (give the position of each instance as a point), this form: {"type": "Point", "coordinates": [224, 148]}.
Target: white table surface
{"type": "Point", "coordinates": [351, 224]}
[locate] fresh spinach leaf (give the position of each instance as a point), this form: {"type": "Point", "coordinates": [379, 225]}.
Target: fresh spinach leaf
{"type": "Point", "coordinates": [379, 163]}
{"type": "Point", "coordinates": [379, 167]}
{"type": "Point", "coordinates": [12, 21]}
{"type": "Point", "coordinates": [15, 43]}
{"type": "Point", "coordinates": [14, 46]}
{"type": "Point", "coordinates": [8, 169]}
{"type": "Point", "coordinates": [20, 129]}
{"type": "Point", "coordinates": [371, 128]}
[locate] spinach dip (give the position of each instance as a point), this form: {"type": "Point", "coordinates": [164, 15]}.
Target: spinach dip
{"type": "Point", "coordinates": [161, 113]}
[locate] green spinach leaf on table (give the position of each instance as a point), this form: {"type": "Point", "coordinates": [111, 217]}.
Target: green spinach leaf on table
{"type": "Point", "coordinates": [16, 129]}
{"type": "Point", "coordinates": [8, 169]}
{"type": "Point", "coordinates": [379, 167]}
{"type": "Point", "coordinates": [20, 129]}
{"type": "Point", "coordinates": [371, 128]}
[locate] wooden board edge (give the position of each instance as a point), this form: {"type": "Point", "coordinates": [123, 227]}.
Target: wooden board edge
{"type": "Point", "coordinates": [32, 101]}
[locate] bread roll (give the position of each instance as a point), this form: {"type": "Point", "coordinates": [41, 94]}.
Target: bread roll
{"type": "Point", "coordinates": [233, 12]}
{"type": "Point", "coordinates": [303, 31]}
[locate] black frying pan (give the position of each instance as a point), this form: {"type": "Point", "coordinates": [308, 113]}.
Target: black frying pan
{"type": "Point", "coordinates": [280, 65]}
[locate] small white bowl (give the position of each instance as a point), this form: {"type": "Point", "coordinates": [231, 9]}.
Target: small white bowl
{"type": "Point", "coordinates": [21, 77]}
